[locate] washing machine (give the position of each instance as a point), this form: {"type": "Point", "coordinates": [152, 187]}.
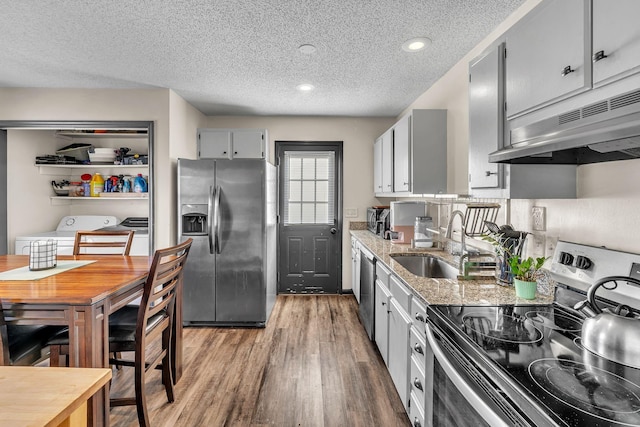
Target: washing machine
{"type": "Point", "coordinates": [65, 234]}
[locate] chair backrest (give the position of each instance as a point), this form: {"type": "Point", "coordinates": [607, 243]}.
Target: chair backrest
{"type": "Point", "coordinates": [4, 340]}
{"type": "Point", "coordinates": [158, 297]}
{"type": "Point", "coordinates": [103, 242]}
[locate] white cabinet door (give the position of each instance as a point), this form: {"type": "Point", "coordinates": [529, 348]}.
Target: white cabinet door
{"type": "Point", "coordinates": [486, 112]}
{"type": "Point", "coordinates": [387, 161]}
{"type": "Point", "coordinates": [231, 143]}
{"type": "Point", "coordinates": [616, 34]}
{"type": "Point", "coordinates": [377, 166]}
{"type": "Point", "coordinates": [381, 326]}
{"type": "Point", "coordinates": [214, 144]}
{"type": "Point", "coordinates": [546, 56]}
{"type": "Point", "coordinates": [402, 154]}
{"type": "Point", "coordinates": [248, 144]}
{"type": "Point", "coordinates": [399, 329]}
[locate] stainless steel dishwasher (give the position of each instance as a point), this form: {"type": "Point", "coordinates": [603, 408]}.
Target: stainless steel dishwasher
{"type": "Point", "coordinates": [367, 290]}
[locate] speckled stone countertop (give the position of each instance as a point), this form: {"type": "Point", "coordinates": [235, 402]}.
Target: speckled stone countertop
{"type": "Point", "coordinates": [442, 291]}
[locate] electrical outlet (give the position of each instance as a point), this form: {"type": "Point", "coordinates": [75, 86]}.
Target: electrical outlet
{"type": "Point", "coordinates": [538, 218]}
{"type": "Point", "coordinates": [351, 212]}
{"type": "Point", "coordinates": [550, 246]}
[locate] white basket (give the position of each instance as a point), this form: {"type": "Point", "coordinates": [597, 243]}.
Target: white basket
{"type": "Point", "coordinates": [43, 254]}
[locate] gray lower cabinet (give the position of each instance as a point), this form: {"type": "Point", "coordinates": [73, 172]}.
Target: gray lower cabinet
{"type": "Point", "coordinates": [381, 327]}
{"type": "Point", "coordinates": [399, 327]}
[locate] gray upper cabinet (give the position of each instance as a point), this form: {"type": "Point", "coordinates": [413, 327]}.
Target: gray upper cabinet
{"type": "Point", "coordinates": [616, 40]}
{"type": "Point", "coordinates": [486, 113]}
{"type": "Point", "coordinates": [418, 153]}
{"type": "Point", "coordinates": [402, 154]}
{"type": "Point", "coordinates": [547, 56]}
{"type": "Point", "coordinates": [387, 162]}
{"type": "Point", "coordinates": [377, 166]}
{"type": "Point", "coordinates": [380, 181]}
{"type": "Point", "coordinates": [232, 143]}
{"type": "Point", "coordinates": [486, 131]}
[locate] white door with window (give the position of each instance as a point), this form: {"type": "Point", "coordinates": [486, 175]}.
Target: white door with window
{"type": "Point", "coordinates": [310, 250]}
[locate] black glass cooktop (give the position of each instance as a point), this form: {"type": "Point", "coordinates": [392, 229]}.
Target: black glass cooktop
{"type": "Point", "coordinates": [534, 354]}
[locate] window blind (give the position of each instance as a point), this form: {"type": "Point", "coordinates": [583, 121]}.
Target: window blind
{"type": "Point", "coordinates": [309, 181]}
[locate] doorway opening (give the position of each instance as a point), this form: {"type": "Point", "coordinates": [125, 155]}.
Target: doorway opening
{"type": "Point", "coordinates": [310, 217]}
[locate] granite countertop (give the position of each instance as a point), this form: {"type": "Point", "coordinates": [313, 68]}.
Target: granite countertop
{"type": "Point", "coordinates": [442, 291]}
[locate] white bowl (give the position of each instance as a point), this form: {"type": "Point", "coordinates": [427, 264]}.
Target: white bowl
{"type": "Point", "coordinates": [105, 151]}
{"type": "Point", "coordinates": [100, 158]}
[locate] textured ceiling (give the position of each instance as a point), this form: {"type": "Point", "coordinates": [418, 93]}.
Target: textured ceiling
{"type": "Point", "coordinates": [241, 57]}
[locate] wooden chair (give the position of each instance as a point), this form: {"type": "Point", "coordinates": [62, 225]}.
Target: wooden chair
{"type": "Point", "coordinates": [103, 242]}
{"type": "Point", "coordinates": [24, 344]}
{"type": "Point", "coordinates": [153, 321]}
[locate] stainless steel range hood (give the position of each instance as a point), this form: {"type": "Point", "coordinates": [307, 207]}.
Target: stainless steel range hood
{"type": "Point", "coordinates": [605, 131]}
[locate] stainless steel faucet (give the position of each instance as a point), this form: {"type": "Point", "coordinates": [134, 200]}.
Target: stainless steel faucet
{"type": "Point", "coordinates": [465, 264]}
{"type": "Point", "coordinates": [449, 232]}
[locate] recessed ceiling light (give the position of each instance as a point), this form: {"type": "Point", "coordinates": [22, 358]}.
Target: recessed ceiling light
{"type": "Point", "coordinates": [307, 49]}
{"type": "Point", "coordinates": [416, 44]}
{"type": "Point", "coordinates": [305, 87]}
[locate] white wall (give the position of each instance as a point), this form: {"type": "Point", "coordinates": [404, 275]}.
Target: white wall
{"type": "Point", "coordinates": [357, 135]}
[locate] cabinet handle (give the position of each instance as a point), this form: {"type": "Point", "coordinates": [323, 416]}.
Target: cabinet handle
{"type": "Point", "coordinates": [567, 70]}
{"type": "Point", "coordinates": [417, 384]}
{"type": "Point", "coordinates": [489, 173]}
{"type": "Point", "coordinates": [406, 183]}
{"type": "Point", "coordinates": [416, 423]}
{"type": "Point", "coordinates": [383, 303]}
{"type": "Point", "coordinates": [389, 185]}
{"type": "Point", "coordinates": [418, 349]}
{"type": "Point", "coordinates": [598, 56]}
{"type": "Point", "coordinates": [235, 152]}
{"type": "Point", "coordinates": [419, 317]}
{"type": "Point", "coordinates": [224, 152]}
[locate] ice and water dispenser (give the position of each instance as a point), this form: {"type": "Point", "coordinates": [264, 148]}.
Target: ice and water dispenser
{"type": "Point", "coordinates": [194, 220]}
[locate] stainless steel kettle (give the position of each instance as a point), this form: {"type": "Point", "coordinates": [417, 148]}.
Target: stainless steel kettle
{"type": "Point", "coordinates": [610, 333]}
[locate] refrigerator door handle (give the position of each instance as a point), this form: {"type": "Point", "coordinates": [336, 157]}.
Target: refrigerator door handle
{"type": "Point", "coordinates": [216, 210]}
{"type": "Point", "coordinates": [210, 218]}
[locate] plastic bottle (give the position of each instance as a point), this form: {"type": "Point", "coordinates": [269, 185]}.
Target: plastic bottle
{"type": "Point", "coordinates": [422, 236]}
{"type": "Point", "coordinates": [86, 184]}
{"type": "Point", "coordinates": [96, 185]}
{"type": "Point", "coordinates": [139, 184]}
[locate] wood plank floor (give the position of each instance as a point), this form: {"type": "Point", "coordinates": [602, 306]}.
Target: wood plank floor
{"type": "Point", "coordinates": [313, 365]}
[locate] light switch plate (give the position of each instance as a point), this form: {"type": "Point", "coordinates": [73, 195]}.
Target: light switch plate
{"type": "Point", "coordinates": [538, 219]}
{"type": "Point", "coordinates": [350, 212]}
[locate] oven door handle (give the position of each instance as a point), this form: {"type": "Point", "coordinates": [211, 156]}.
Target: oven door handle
{"type": "Point", "coordinates": [472, 397]}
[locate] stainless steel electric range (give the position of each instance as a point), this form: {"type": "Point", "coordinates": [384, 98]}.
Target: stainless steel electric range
{"type": "Point", "coordinates": [524, 365]}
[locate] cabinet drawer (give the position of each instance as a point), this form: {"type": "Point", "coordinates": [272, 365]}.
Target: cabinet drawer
{"type": "Point", "coordinates": [417, 346]}
{"type": "Point", "coordinates": [419, 315]}
{"type": "Point", "coordinates": [382, 274]}
{"type": "Point", "coordinates": [400, 293]}
{"type": "Point", "coordinates": [416, 385]}
{"type": "Point", "coordinates": [417, 414]}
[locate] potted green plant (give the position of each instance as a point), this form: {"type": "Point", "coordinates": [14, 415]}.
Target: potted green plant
{"type": "Point", "coordinates": [525, 272]}
{"type": "Point", "coordinates": [507, 243]}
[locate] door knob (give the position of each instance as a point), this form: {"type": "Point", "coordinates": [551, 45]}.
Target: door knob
{"type": "Point", "coordinates": [333, 230]}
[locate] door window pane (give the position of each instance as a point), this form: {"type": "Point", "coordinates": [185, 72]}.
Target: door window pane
{"type": "Point", "coordinates": [309, 185]}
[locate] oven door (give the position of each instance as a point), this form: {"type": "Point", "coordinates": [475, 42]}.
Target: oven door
{"type": "Point", "coordinates": [457, 393]}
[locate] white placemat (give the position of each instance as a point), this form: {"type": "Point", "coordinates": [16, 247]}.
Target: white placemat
{"type": "Point", "coordinates": [23, 273]}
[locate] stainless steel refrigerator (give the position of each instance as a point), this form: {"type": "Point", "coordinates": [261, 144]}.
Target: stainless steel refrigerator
{"type": "Point", "coordinates": [228, 207]}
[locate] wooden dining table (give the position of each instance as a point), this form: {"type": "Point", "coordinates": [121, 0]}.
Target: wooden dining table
{"type": "Point", "coordinates": [81, 298]}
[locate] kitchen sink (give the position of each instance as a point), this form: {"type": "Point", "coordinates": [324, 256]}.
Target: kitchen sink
{"type": "Point", "coordinates": [426, 266]}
